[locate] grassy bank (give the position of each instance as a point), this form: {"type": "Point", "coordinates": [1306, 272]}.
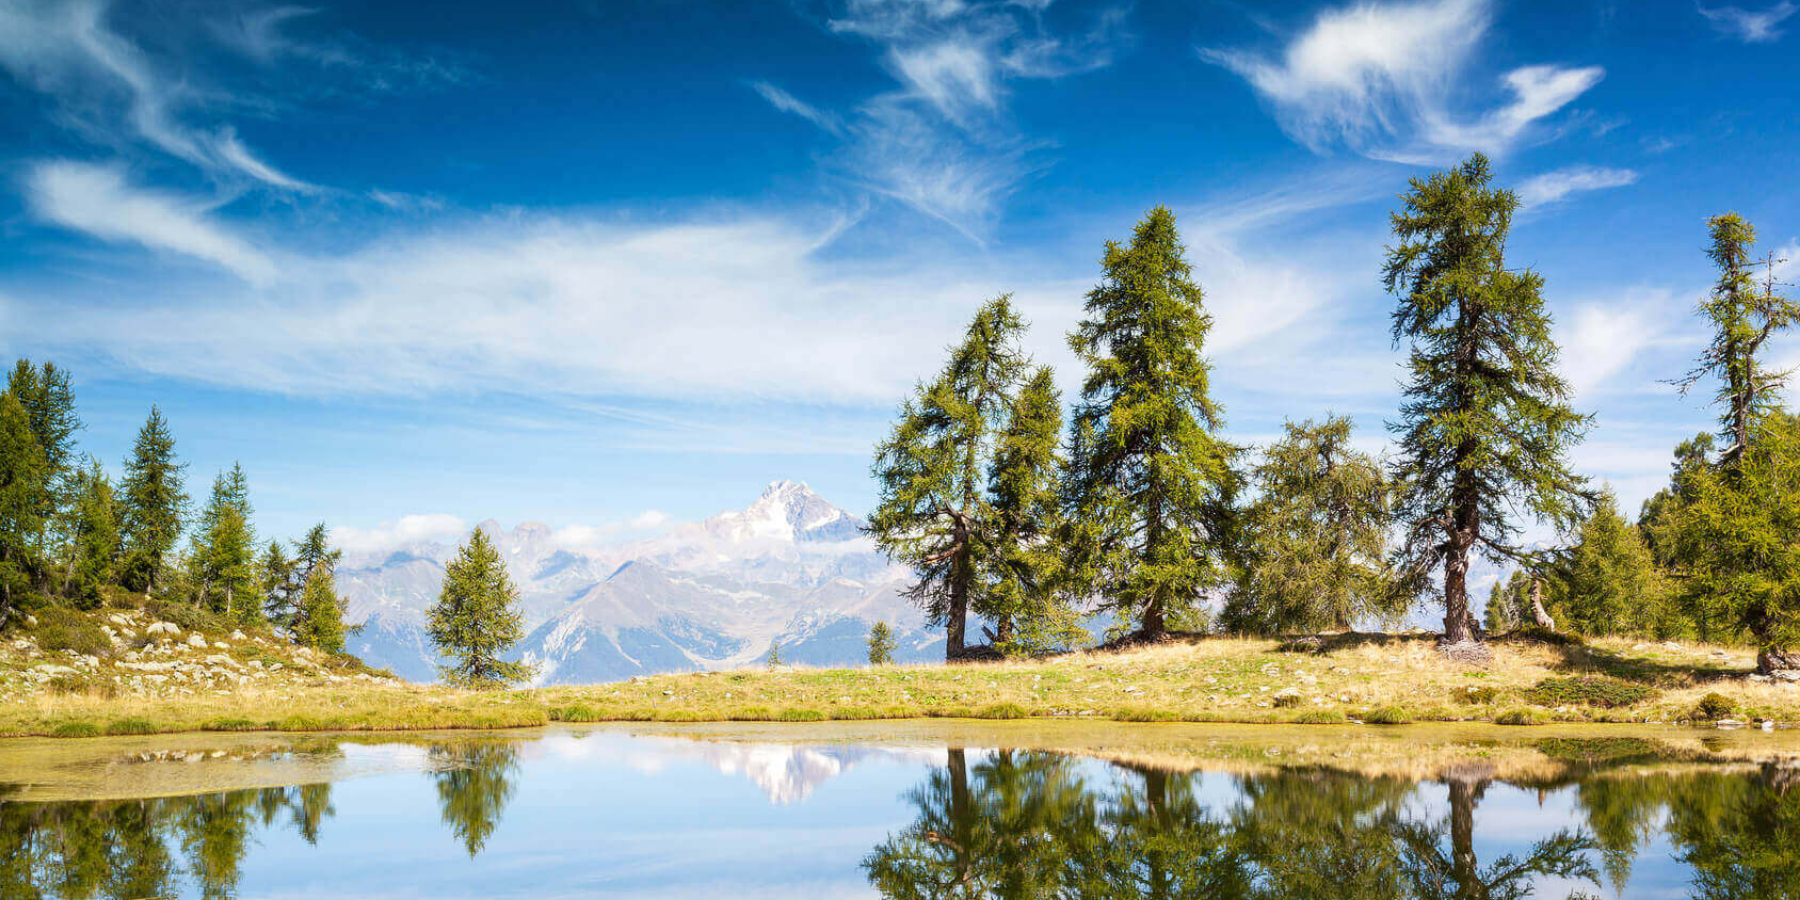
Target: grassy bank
{"type": "Point", "coordinates": [1376, 680]}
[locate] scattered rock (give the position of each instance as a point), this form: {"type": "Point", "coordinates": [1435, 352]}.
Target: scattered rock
{"type": "Point", "coordinates": [196, 641]}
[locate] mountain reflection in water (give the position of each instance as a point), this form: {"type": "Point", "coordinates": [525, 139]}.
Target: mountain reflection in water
{"type": "Point", "coordinates": [972, 824]}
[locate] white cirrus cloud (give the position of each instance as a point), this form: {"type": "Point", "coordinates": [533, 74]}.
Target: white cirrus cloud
{"type": "Point", "coordinates": [70, 51]}
{"type": "Point", "coordinates": [940, 141]}
{"type": "Point", "coordinates": [98, 200]}
{"type": "Point", "coordinates": [1750, 26]}
{"type": "Point", "coordinates": [1380, 79]}
{"type": "Point", "coordinates": [1551, 187]}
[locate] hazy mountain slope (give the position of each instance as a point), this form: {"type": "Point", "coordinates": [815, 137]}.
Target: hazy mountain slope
{"type": "Point", "coordinates": [790, 567]}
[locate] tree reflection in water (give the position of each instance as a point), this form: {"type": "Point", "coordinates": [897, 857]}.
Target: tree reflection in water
{"type": "Point", "coordinates": [1031, 825]}
{"type": "Point", "coordinates": [1017, 824]}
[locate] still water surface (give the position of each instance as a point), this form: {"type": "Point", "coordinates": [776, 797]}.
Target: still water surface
{"type": "Point", "coordinates": [613, 812]}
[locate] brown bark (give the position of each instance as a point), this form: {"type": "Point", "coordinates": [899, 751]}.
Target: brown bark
{"type": "Point", "coordinates": [1770, 660]}
{"type": "Point", "coordinates": [1538, 614]}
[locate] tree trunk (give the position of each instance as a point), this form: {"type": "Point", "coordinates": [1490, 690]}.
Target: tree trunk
{"type": "Point", "coordinates": [1538, 614]}
{"type": "Point", "coordinates": [1003, 629]}
{"type": "Point", "coordinates": [1770, 660]}
{"type": "Point", "coordinates": [1464, 868]}
{"type": "Point", "coordinates": [1155, 624]}
{"type": "Point", "coordinates": [956, 617]}
{"type": "Point", "coordinates": [1457, 621]}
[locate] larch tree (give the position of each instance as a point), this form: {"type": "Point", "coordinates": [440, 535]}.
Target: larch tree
{"type": "Point", "coordinates": [49, 403]}
{"type": "Point", "coordinates": [223, 551]}
{"type": "Point", "coordinates": [24, 480]}
{"type": "Point", "coordinates": [280, 586]}
{"type": "Point", "coordinates": [1316, 538]}
{"type": "Point", "coordinates": [152, 503]}
{"type": "Point", "coordinates": [323, 625]}
{"type": "Point", "coordinates": [932, 471]}
{"type": "Point", "coordinates": [1485, 426]}
{"type": "Point", "coordinates": [1610, 583]}
{"type": "Point", "coordinates": [93, 534]}
{"type": "Point", "coordinates": [476, 619]}
{"type": "Point", "coordinates": [1744, 315]}
{"type": "Point", "coordinates": [1024, 595]}
{"type": "Point", "coordinates": [881, 644]}
{"type": "Point", "coordinates": [312, 553]}
{"type": "Point", "coordinates": [1737, 550]}
{"type": "Point", "coordinates": [1151, 480]}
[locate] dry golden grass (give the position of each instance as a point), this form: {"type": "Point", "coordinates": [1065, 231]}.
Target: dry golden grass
{"type": "Point", "coordinates": [1208, 680]}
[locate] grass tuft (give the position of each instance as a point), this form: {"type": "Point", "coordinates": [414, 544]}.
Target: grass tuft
{"type": "Point", "coordinates": [75, 729]}
{"type": "Point", "coordinates": [1388, 715]}
{"type": "Point", "coordinates": [132, 725]}
{"type": "Point", "coordinates": [1320, 717]}
{"type": "Point", "coordinates": [1518, 717]}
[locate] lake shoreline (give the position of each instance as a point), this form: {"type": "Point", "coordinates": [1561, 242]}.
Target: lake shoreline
{"type": "Point", "coordinates": [1352, 680]}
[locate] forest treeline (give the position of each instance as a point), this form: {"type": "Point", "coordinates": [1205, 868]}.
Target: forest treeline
{"type": "Point", "coordinates": [73, 538]}
{"type": "Point", "coordinates": [1142, 509]}
{"type": "Point", "coordinates": [70, 536]}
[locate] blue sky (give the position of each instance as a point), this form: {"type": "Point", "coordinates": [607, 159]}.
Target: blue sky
{"type": "Point", "coordinates": [609, 265]}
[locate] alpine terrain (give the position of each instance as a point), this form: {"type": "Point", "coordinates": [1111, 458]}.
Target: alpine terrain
{"type": "Point", "coordinates": [789, 568]}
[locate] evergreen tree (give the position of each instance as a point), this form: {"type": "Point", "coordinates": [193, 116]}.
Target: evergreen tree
{"type": "Point", "coordinates": [223, 551]}
{"type": "Point", "coordinates": [312, 553]}
{"type": "Point", "coordinates": [152, 503]}
{"type": "Point", "coordinates": [323, 624]}
{"type": "Point", "coordinates": [24, 478]}
{"type": "Point", "coordinates": [773, 661]}
{"type": "Point", "coordinates": [1609, 583]}
{"type": "Point", "coordinates": [49, 403]}
{"type": "Point", "coordinates": [1023, 596]}
{"type": "Point", "coordinates": [1744, 316]}
{"type": "Point", "coordinates": [476, 618]}
{"type": "Point", "coordinates": [281, 586]}
{"type": "Point", "coordinates": [1151, 479]}
{"type": "Point", "coordinates": [1506, 605]}
{"type": "Point", "coordinates": [1657, 516]}
{"type": "Point", "coordinates": [933, 468]}
{"type": "Point", "coordinates": [881, 644]}
{"type": "Point", "coordinates": [1485, 427]}
{"type": "Point", "coordinates": [1316, 539]}
{"type": "Point", "coordinates": [1739, 559]}
{"type": "Point", "coordinates": [93, 532]}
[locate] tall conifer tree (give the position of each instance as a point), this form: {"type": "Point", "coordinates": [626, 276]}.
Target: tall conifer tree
{"type": "Point", "coordinates": [49, 404]}
{"type": "Point", "coordinates": [152, 503]}
{"type": "Point", "coordinates": [323, 624]}
{"type": "Point", "coordinates": [932, 470]}
{"type": "Point", "coordinates": [1486, 426]}
{"type": "Point", "coordinates": [1024, 594]}
{"type": "Point", "coordinates": [93, 532]}
{"type": "Point", "coordinates": [476, 619]}
{"type": "Point", "coordinates": [224, 549]}
{"type": "Point", "coordinates": [24, 479]}
{"type": "Point", "coordinates": [1151, 478]}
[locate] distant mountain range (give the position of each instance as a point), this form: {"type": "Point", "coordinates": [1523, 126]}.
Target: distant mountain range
{"type": "Point", "coordinates": [791, 567]}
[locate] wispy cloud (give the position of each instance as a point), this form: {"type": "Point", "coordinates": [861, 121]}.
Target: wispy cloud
{"type": "Point", "coordinates": [1751, 27]}
{"type": "Point", "coordinates": [109, 88]}
{"type": "Point", "coordinates": [941, 141]}
{"type": "Point", "coordinates": [98, 200]}
{"type": "Point", "coordinates": [1380, 79]}
{"type": "Point", "coordinates": [788, 103]}
{"type": "Point", "coordinates": [1550, 187]}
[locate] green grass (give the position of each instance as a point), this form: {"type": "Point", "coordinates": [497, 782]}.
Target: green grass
{"type": "Point", "coordinates": [132, 725]}
{"type": "Point", "coordinates": [1320, 717]}
{"type": "Point", "coordinates": [76, 729]}
{"type": "Point", "coordinates": [1388, 715]}
{"type": "Point", "coordinates": [1518, 717]}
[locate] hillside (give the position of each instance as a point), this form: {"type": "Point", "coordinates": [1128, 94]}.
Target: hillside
{"type": "Point", "coordinates": [789, 567]}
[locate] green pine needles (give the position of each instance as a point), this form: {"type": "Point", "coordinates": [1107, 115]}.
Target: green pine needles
{"type": "Point", "coordinates": [476, 619]}
{"type": "Point", "coordinates": [1151, 481]}
{"type": "Point", "coordinates": [1485, 426]}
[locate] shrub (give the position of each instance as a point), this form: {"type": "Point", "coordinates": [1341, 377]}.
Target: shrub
{"type": "Point", "coordinates": [1589, 690]}
{"type": "Point", "coordinates": [1715, 706]}
{"type": "Point", "coordinates": [132, 725]}
{"type": "Point", "coordinates": [63, 629]}
{"type": "Point", "coordinates": [83, 683]}
{"type": "Point", "coordinates": [75, 729]}
{"type": "Point", "coordinates": [1320, 717]}
{"type": "Point", "coordinates": [1475, 694]}
{"type": "Point", "coordinates": [1518, 717]}
{"type": "Point", "coordinates": [1388, 715]}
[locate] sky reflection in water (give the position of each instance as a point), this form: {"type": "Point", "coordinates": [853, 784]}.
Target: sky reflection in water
{"type": "Point", "coordinates": [613, 814]}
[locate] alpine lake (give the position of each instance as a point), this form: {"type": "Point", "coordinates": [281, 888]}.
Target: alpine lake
{"type": "Point", "coordinates": [909, 809]}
